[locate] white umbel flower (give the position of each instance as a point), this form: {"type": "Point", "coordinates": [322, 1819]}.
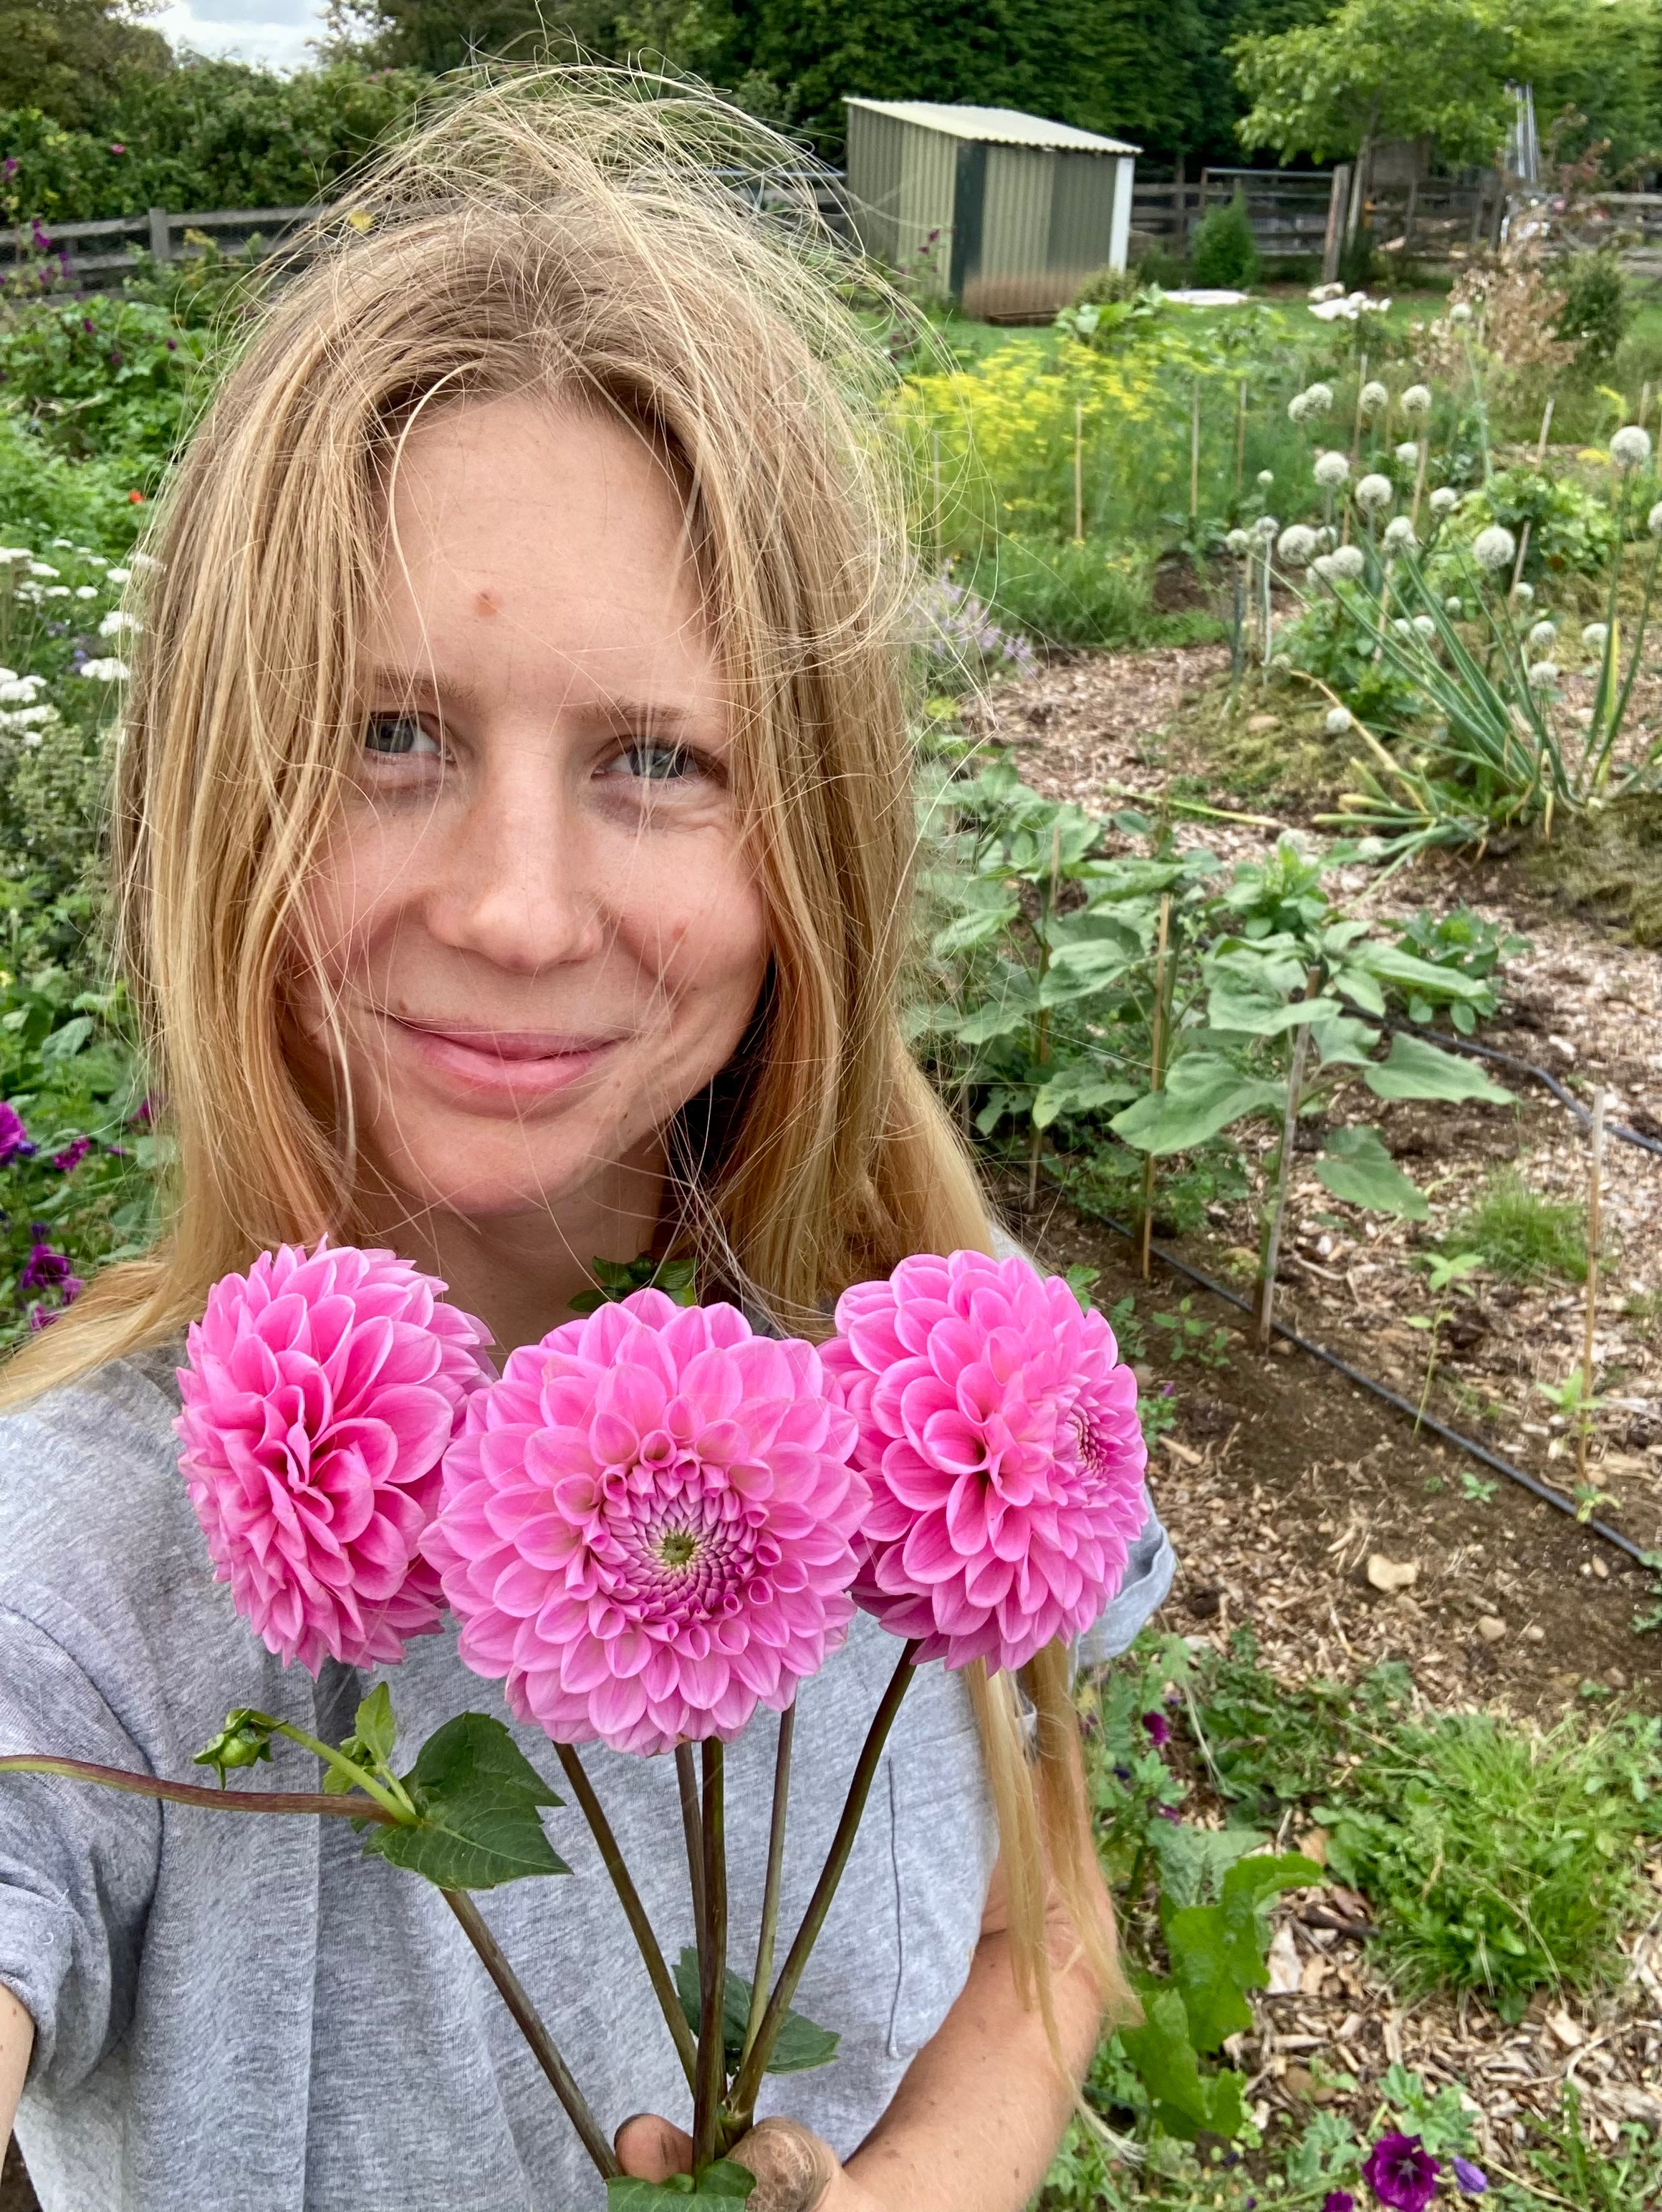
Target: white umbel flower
{"type": "Point", "coordinates": [1444, 500]}
{"type": "Point", "coordinates": [1408, 454]}
{"type": "Point", "coordinates": [118, 575]}
{"type": "Point", "coordinates": [1322, 565]}
{"type": "Point", "coordinates": [1266, 478]}
{"type": "Point", "coordinates": [1297, 545]}
{"type": "Point", "coordinates": [1542, 676]}
{"type": "Point", "coordinates": [1543, 637]}
{"type": "Point", "coordinates": [109, 671]}
{"type": "Point", "coordinates": [1331, 470]}
{"type": "Point", "coordinates": [1347, 563]}
{"type": "Point", "coordinates": [1297, 409]}
{"type": "Point", "coordinates": [1630, 448]}
{"type": "Point", "coordinates": [115, 622]}
{"type": "Point", "coordinates": [1339, 720]}
{"type": "Point", "coordinates": [1374, 494]}
{"type": "Point", "coordinates": [1373, 398]}
{"type": "Point", "coordinates": [1416, 399]}
{"type": "Point", "coordinates": [1594, 635]}
{"type": "Point", "coordinates": [1494, 548]}
{"type": "Point", "coordinates": [1399, 535]}
{"type": "Point", "coordinates": [20, 691]}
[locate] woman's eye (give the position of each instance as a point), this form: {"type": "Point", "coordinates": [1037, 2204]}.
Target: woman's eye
{"type": "Point", "coordinates": [400, 737]}
{"type": "Point", "coordinates": [656, 762]}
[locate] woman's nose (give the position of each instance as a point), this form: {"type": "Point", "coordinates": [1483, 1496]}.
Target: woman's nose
{"type": "Point", "coordinates": [520, 886]}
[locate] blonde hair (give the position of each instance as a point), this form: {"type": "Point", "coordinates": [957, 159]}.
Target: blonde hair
{"type": "Point", "coordinates": [562, 232]}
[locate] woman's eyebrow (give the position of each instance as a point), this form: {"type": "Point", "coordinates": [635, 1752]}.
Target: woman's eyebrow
{"type": "Point", "coordinates": [605, 710]}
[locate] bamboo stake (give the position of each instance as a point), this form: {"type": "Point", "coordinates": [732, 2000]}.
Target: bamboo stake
{"type": "Point", "coordinates": [1272, 1243]}
{"type": "Point", "coordinates": [1157, 1074]}
{"type": "Point", "coordinates": [1356, 429]}
{"type": "Point", "coordinates": [1241, 437]}
{"type": "Point", "coordinates": [1546, 425]}
{"type": "Point", "coordinates": [1420, 477]}
{"type": "Point", "coordinates": [1595, 1209]}
{"type": "Point", "coordinates": [1078, 473]}
{"type": "Point", "coordinates": [1194, 459]}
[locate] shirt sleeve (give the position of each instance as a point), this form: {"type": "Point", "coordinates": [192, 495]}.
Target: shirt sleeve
{"type": "Point", "coordinates": [78, 1863]}
{"type": "Point", "coordinates": [1148, 1572]}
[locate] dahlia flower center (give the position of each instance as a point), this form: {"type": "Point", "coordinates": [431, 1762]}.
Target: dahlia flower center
{"type": "Point", "coordinates": [677, 1547]}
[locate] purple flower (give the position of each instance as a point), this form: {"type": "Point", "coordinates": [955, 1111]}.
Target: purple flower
{"type": "Point", "coordinates": [1168, 1813]}
{"type": "Point", "coordinates": [10, 164]}
{"type": "Point", "coordinates": [45, 1268]}
{"type": "Point", "coordinates": [115, 356]}
{"type": "Point", "coordinates": [88, 325]}
{"type": "Point", "coordinates": [14, 1137]}
{"type": "Point", "coordinates": [1469, 2179]}
{"type": "Point", "coordinates": [43, 1316]}
{"type": "Point", "coordinates": [1338, 2200]}
{"type": "Point", "coordinates": [73, 1153]}
{"type": "Point", "coordinates": [1159, 1729]}
{"type": "Point", "coordinates": [1402, 2172]}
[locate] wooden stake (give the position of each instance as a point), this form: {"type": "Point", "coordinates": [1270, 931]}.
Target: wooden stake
{"type": "Point", "coordinates": [1356, 432]}
{"type": "Point", "coordinates": [1420, 477]}
{"type": "Point", "coordinates": [1595, 1207]}
{"type": "Point", "coordinates": [1241, 437]}
{"type": "Point", "coordinates": [1157, 1074]}
{"type": "Point", "coordinates": [1194, 459]}
{"type": "Point", "coordinates": [1078, 473]}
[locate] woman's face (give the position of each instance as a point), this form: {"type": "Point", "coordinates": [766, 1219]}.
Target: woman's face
{"type": "Point", "coordinates": [537, 919]}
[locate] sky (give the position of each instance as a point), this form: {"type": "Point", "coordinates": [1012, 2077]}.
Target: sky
{"type": "Point", "coordinates": [274, 32]}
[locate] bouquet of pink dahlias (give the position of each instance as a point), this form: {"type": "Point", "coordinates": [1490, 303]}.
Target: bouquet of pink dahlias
{"type": "Point", "coordinates": [653, 1521]}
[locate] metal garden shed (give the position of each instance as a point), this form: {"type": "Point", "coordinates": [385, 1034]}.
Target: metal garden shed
{"type": "Point", "coordinates": [1003, 212]}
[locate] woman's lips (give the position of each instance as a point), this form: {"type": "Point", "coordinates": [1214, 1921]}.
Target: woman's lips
{"type": "Point", "coordinates": [512, 1066]}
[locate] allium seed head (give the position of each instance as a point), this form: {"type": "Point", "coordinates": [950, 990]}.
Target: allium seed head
{"type": "Point", "coordinates": [1238, 543]}
{"type": "Point", "coordinates": [1523, 595]}
{"type": "Point", "coordinates": [1297, 545]}
{"type": "Point", "coordinates": [1399, 535]}
{"type": "Point", "coordinates": [1416, 399]}
{"type": "Point", "coordinates": [1408, 454]}
{"type": "Point", "coordinates": [1594, 635]}
{"type": "Point", "coordinates": [1542, 676]}
{"type": "Point", "coordinates": [1425, 625]}
{"type": "Point", "coordinates": [1266, 526]}
{"type": "Point", "coordinates": [1459, 313]}
{"type": "Point", "coordinates": [1494, 549]}
{"type": "Point", "coordinates": [1542, 636]}
{"type": "Point", "coordinates": [1373, 398]}
{"type": "Point", "coordinates": [1374, 494]}
{"type": "Point", "coordinates": [1348, 564]}
{"type": "Point", "coordinates": [1332, 470]}
{"type": "Point", "coordinates": [1339, 720]}
{"type": "Point", "coordinates": [1444, 500]}
{"type": "Point", "coordinates": [1630, 448]}
{"type": "Point", "coordinates": [1266, 478]}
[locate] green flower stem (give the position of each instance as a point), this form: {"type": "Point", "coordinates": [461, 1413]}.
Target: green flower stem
{"type": "Point", "coordinates": [762, 1979]}
{"type": "Point", "coordinates": [397, 1804]}
{"type": "Point", "coordinates": [742, 2103]}
{"type": "Point", "coordinates": [196, 1793]}
{"type": "Point", "coordinates": [633, 1912]}
{"type": "Point", "coordinates": [692, 1827]}
{"type": "Point", "coordinates": [530, 2024]}
{"type": "Point", "coordinates": [713, 1975]}
{"type": "Point", "coordinates": [1619, 714]}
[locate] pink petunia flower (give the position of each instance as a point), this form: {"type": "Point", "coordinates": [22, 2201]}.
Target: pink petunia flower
{"type": "Point", "coordinates": [1000, 1435]}
{"type": "Point", "coordinates": [321, 1391]}
{"type": "Point", "coordinates": [648, 1525]}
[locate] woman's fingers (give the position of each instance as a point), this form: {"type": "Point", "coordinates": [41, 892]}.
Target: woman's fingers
{"type": "Point", "coordinates": [652, 2150]}
{"type": "Point", "coordinates": [794, 2168]}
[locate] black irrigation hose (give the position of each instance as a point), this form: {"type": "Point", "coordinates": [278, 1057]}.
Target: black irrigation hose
{"type": "Point", "coordinates": [1527, 1067]}
{"type": "Point", "coordinates": [1469, 1445]}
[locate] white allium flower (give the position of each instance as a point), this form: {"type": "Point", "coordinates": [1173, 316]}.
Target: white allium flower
{"type": "Point", "coordinates": [1266, 526]}
{"type": "Point", "coordinates": [1266, 478]}
{"type": "Point", "coordinates": [1542, 676]}
{"type": "Point", "coordinates": [113, 623]}
{"type": "Point", "coordinates": [1524, 594]}
{"type": "Point", "coordinates": [117, 575]}
{"type": "Point", "coordinates": [1331, 470]}
{"type": "Point", "coordinates": [1399, 534]}
{"type": "Point", "coordinates": [1373, 397]}
{"type": "Point", "coordinates": [1408, 454]}
{"type": "Point", "coordinates": [1402, 626]}
{"type": "Point", "coordinates": [1339, 720]}
{"type": "Point", "coordinates": [110, 671]}
{"type": "Point", "coordinates": [1454, 606]}
{"type": "Point", "coordinates": [1444, 500]}
{"type": "Point", "coordinates": [1593, 635]}
{"type": "Point", "coordinates": [1322, 565]}
{"type": "Point", "coordinates": [1297, 545]}
{"type": "Point", "coordinates": [1494, 548]}
{"type": "Point", "coordinates": [1329, 536]}
{"type": "Point", "coordinates": [1347, 563]}
{"type": "Point", "coordinates": [1320, 398]}
{"type": "Point", "coordinates": [1654, 522]}
{"type": "Point", "coordinates": [1630, 448]}
{"type": "Point", "coordinates": [1374, 493]}
{"type": "Point", "coordinates": [1459, 313]}
{"type": "Point", "coordinates": [1416, 400]}
{"type": "Point", "coordinates": [1298, 408]}
{"type": "Point", "coordinates": [1542, 637]}
{"type": "Point", "coordinates": [68, 544]}
{"type": "Point", "coordinates": [1238, 543]}
{"type": "Point", "coordinates": [42, 568]}
{"type": "Point", "coordinates": [1425, 626]}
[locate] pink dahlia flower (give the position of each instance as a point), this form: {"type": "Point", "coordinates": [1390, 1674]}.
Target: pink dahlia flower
{"type": "Point", "coordinates": [321, 1391]}
{"type": "Point", "coordinates": [1000, 1435]}
{"type": "Point", "coordinates": [648, 1524]}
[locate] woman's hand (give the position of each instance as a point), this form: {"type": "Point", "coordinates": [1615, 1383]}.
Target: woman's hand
{"type": "Point", "coordinates": [795, 2170]}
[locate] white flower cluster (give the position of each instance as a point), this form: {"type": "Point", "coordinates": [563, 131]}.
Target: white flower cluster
{"type": "Point", "coordinates": [1444, 500]}
{"type": "Point", "coordinates": [1332, 470]}
{"type": "Point", "coordinates": [1416, 399]}
{"type": "Point", "coordinates": [1238, 543]}
{"type": "Point", "coordinates": [1344, 565]}
{"type": "Point", "coordinates": [1399, 536]}
{"type": "Point", "coordinates": [1339, 720]}
{"type": "Point", "coordinates": [1373, 398]}
{"type": "Point", "coordinates": [1374, 494]}
{"type": "Point", "coordinates": [1595, 635]}
{"type": "Point", "coordinates": [1315, 400]}
{"type": "Point", "coordinates": [1630, 448]}
{"type": "Point", "coordinates": [1425, 625]}
{"type": "Point", "coordinates": [116, 623]}
{"type": "Point", "coordinates": [1297, 545]}
{"type": "Point", "coordinates": [1494, 549]}
{"type": "Point", "coordinates": [109, 671]}
{"type": "Point", "coordinates": [1542, 637]}
{"type": "Point", "coordinates": [1408, 454]}
{"type": "Point", "coordinates": [1542, 676]}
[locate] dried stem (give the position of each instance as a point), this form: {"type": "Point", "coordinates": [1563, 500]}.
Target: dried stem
{"type": "Point", "coordinates": [531, 2025]}
{"type": "Point", "coordinates": [633, 1912]}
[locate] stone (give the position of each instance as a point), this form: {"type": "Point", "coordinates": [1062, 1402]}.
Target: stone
{"type": "Point", "coordinates": [1491, 1628]}
{"type": "Point", "coordinates": [1391, 1575]}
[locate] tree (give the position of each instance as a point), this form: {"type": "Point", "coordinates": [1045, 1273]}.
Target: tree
{"type": "Point", "coordinates": [69, 59]}
{"type": "Point", "coordinates": [1382, 68]}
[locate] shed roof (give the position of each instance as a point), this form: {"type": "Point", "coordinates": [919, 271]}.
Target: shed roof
{"type": "Point", "coordinates": [1000, 126]}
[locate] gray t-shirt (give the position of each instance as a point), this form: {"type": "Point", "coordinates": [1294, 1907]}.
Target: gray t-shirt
{"type": "Point", "coordinates": [241, 2010]}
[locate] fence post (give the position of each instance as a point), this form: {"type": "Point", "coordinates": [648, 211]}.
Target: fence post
{"type": "Point", "coordinates": [1337, 199]}
{"type": "Point", "coordinates": [159, 244]}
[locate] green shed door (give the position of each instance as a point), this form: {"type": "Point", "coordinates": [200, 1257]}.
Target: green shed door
{"type": "Point", "coordinates": [1081, 212]}
{"type": "Point", "coordinates": [969, 209]}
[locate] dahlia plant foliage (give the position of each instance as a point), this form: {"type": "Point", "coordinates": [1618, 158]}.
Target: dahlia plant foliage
{"type": "Point", "coordinates": [648, 1525]}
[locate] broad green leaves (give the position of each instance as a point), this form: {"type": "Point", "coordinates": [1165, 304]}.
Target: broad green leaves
{"type": "Point", "coordinates": [1184, 2099]}
{"type": "Point", "coordinates": [800, 2045]}
{"type": "Point", "coordinates": [1355, 1165]}
{"type": "Point", "coordinates": [1415, 1069]}
{"type": "Point", "coordinates": [725, 2183]}
{"type": "Point", "coordinates": [1205, 1092]}
{"type": "Point", "coordinates": [1217, 1951]}
{"type": "Point", "coordinates": [477, 1798]}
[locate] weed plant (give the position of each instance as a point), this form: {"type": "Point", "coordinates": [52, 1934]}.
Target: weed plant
{"type": "Point", "coordinates": [1520, 1236]}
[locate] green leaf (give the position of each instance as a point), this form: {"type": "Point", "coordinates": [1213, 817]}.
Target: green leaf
{"type": "Point", "coordinates": [1184, 2099]}
{"type": "Point", "coordinates": [374, 1728]}
{"type": "Point", "coordinates": [1218, 1951]}
{"type": "Point", "coordinates": [1081, 1090]}
{"type": "Point", "coordinates": [1355, 1166]}
{"type": "Point", "coordinates": [1193, 1861]}
{"type": "Point", "coordinates": [801, 2045]}
{"type": "Point", "coordinates": [1392, 965]}
{"type": "Point", "coordinates": [1418, 1070]}
{"type": "Point", "coordinates": [1203, 1094]}
{"type": "Point", "coordinates": [1236, 1004]}
{"type": "Point", "coordinates": [724, 2183]}
{"type": "Point", "coordinates": [477, 1794]}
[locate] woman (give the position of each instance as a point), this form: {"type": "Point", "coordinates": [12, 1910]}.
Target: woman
{"type": "Point", "coordinates": [511, 833]}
